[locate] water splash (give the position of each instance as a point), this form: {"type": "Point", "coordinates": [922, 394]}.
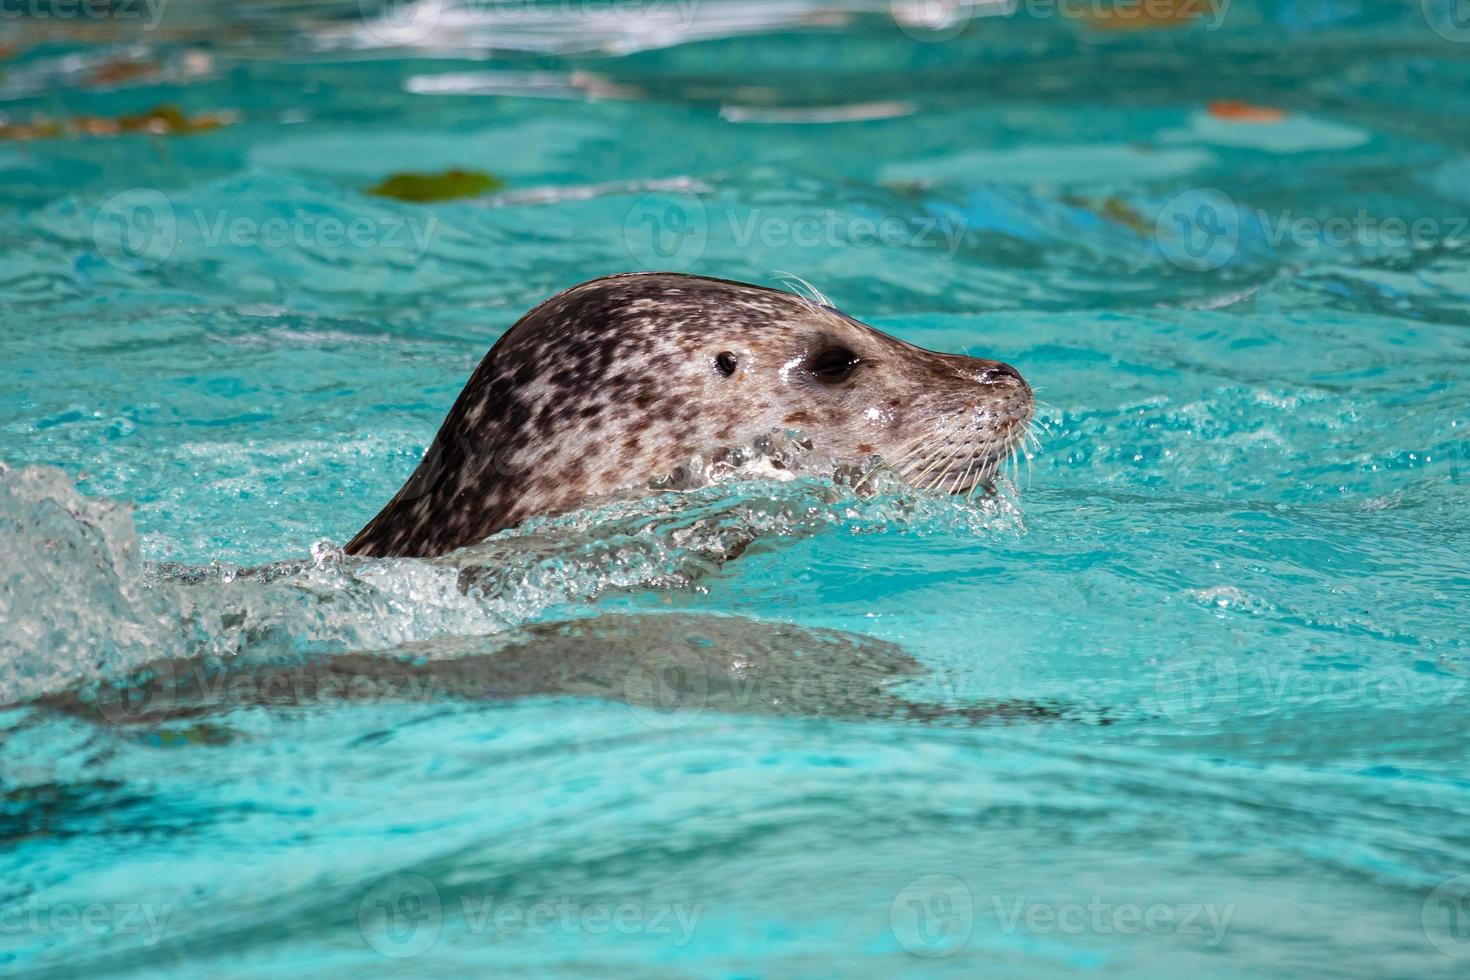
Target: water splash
{"type": "Point", "coordinates": [72, 595]}
{"type": "Point", "coordinates": [79, 603]}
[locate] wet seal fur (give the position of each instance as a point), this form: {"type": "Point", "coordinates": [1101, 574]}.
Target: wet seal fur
{"type": "Point", "coordinates": [616, 382]}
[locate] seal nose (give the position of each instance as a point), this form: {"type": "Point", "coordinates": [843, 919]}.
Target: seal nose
{"type": "Point", "coordinates": [999, 372]}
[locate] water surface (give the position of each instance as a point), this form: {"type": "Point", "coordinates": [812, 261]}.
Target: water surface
{"type": "Point", "coordinates": [1231, 256]}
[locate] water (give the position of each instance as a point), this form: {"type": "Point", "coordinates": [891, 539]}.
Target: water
{"type": "Point", "coordinates": [1226, 596]}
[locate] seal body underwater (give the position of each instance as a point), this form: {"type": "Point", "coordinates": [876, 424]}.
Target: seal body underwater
{"type": "Point", "coordinates": [616, 382]}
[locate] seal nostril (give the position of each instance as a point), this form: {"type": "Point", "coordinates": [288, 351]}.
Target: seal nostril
{"type": "Point", "coordinates": [999, 372]}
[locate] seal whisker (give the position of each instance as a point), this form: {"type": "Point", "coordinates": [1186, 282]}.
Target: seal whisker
{"type": "Point", "coordinates": [920, 470]}
{"type": "Point", "coordinates": [948, 466]}
{"type": "Point", "coordinates": [929, 452]}
{"type": "Point", "coordinates": [960, 475]}
{"type": "Point", "coordinates": [970, 488]}
{"type": "Point", "coordinates": [900, 458]}
{"type": "Point", "coordinates": [909, 448]}
{"type": "Point", "coordinates": [800, 287]}
{"type": "Point", "coordinates": [937, 481]}
{"type": "Point", "coordinates": [965, 481]}
{"type": "Point", "coordinates": [937, 458]}
{"type": "Point", "coordinates": [1036, 409]}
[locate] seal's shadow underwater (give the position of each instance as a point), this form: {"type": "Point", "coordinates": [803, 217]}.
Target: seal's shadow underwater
{"type": "Point", "coordinates": [669, 667]}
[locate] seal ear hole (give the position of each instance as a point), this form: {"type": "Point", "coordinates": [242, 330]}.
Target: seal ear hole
{"type": "Point", "coordinates": [725, 362]}
{"type": "Point", "coordinates": [833, 365]}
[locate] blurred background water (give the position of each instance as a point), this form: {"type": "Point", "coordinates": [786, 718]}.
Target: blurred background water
{"type": "Point", "coordinates": [1226, 242]}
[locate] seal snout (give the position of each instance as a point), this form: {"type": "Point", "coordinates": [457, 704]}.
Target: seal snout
{"type": "Point", "coordinates": [998, 372]}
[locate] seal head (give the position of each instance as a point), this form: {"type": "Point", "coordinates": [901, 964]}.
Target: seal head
{"type": "Point", "coordinates": [616, 382]}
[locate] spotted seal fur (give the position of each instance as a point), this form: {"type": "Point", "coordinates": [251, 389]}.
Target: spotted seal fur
{"type": "Point", "coordinates": [616, 382]}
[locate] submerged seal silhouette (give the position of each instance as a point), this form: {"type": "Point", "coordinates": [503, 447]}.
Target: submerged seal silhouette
{"type": "Point", "coordinates": [616, 382]}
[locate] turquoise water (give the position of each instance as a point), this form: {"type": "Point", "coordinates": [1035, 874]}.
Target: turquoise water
{"type": "Point", "coordinates": [1230, 255]}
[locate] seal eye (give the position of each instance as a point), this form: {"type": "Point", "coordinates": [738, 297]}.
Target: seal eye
{"type": "Point", "coordinates": [833, 365]}
{"type": "Point", "coordinates": [725, 362]}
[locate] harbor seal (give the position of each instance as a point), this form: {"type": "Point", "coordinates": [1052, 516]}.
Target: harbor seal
{"type": "Point", "coordinates": [614, 383]}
